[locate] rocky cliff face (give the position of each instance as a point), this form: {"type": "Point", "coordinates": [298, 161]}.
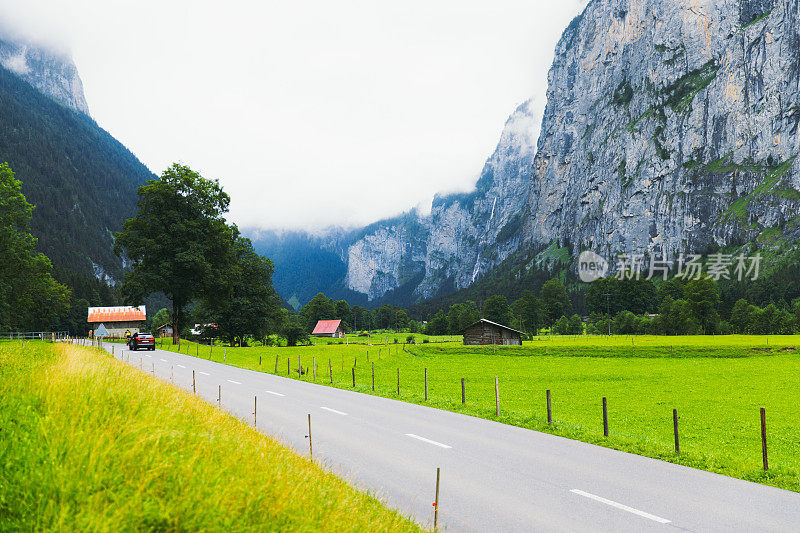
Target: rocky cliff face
{"type": "Point", "coordinates": [670, 126]}
{"type": "Point", "coordinates": [52, 74]}
{"type": "Point", "coordinates": [465, 234]}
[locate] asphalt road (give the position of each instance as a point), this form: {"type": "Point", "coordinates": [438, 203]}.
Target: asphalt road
{"type": "Point", "coordinates": [494, 477]}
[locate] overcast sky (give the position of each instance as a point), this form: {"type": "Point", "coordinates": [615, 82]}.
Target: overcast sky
{"type": "Point", "coordinates": [310, 113]}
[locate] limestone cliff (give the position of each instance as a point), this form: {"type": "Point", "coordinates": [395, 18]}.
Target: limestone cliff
{"type": "Point", "coordinates": [53, 74]}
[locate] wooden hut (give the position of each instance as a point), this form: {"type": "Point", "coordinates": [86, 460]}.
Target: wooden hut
{"type": "Point", "coordinates": [487, 332]}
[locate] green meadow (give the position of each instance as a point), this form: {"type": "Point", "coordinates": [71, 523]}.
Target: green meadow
{"type": "Point", "coordinates": [717, 384]}
{"type": "Point", "coordinates": [89, 444]}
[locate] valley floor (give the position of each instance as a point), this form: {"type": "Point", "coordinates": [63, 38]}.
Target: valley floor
{"type": "Point", "coordinates": [717, 384]}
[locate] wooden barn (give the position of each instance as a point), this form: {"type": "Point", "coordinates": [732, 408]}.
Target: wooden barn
{"type": "Point", "coordinates": [329, 328]}
{"type": "Point", "coordinates": [487, 332]}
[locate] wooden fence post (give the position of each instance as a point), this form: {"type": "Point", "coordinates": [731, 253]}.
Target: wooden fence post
{"type": "Point", "coordinates": [276, 364]}
{"type": "Point", "coordinates": [426, 384]}
{"type": "Point", "coordinates": [310, 445]}
{"type": "Point", "coordinates": [549, 409]}
{"type": "Point", "coordinates": [463, 392]}
{"type": "Point", "coordinates": [354, 377]}
{"type": "Point", "coordinates": [194, 387]}
{"type": "Point", "coordinates": [398, 382]}
{"type": "Point", "coordinates": [497, 395]}
{"type": "Point", "coordinates": [605, 417]}
{"type": "Point", "coordinates": [288, 366]}
{"type": "Point", "coordinates": [436, 503]}
{"type": "Point", "coordinates": [330, 370]}
{"type": "Point", "coordinates": [764, 438]}
{"type": "Point", "coordinates": [373, 376]}
{"type": "Point", "coordinates": [675, 429]}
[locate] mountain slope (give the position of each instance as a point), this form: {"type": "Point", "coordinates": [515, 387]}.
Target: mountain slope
{"type": "Point", "coordinates": [82, 181]}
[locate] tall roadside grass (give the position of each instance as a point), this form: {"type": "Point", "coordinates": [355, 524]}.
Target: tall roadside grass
{"type": "Point", "coordinates": [87, 444]}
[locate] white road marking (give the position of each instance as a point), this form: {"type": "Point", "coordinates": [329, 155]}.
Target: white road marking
{"type": "Point", "coordinates": [164, 360]}
{"type": "Point", "coordinates": [429, 441]}
{"type": "Point", "coordinates": [204, 373]}
{"type": "Point", "coordinates": [148, 355]}
{"type": "Point", "coordinates": [621, 506]}
{"type": "Point", "coordinates": [274, 393]}
{"type": "Point", "coordinates": [334, 411]}
{"type": "Point", "coordinates": [180, 366]}
{"type": "Point", "coordinates": [234, 382]}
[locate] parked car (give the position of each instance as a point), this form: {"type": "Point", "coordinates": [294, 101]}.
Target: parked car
{"type": "Point", "coordinates": [142, 340]}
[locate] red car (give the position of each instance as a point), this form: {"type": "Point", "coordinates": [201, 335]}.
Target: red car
{"type": "Point", "coordinates": [142, 340]}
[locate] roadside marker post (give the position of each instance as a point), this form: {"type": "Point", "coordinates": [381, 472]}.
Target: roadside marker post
{"type": "Point", "coordinates": [288, 366]}
{"type": "Point", "coordinates": [211, 351]}
{"type": "Point", "coordinates": [497, 395]}
{"type": "Point", "coordinates": [255, 411]}
{"type": "Point", "coordinates": [426, 384]}
{"type": "Point", "coordinates": [373, 376]}
{"type": "Point", "coordinates": [330, 370]}
{"type": "Point", "coordinates": [398, 382]}
{"type": "Point", "coordinates": [299, 368]}
{"type": "Point", "coordinates": [675, 428]}
{"type": "Point", "coordinates": [259, 360]}
{"type": "Point", "coordinates": [463, 392]}
{"type": "Point", "coordinates": [219, 397]}
{"type": "Point", "coordinates": [314, 367]}
{"type": "Point", "coordinates": [354, 377]}
{"type": "Point", "coordinates": [154, 369]}
{"type": "Point", "coordinates": [310, 444]}
{"type": "Point", "coordinates": [276, 364]}
{"type": "Point", "coordinates": [194, 386]}
{"type": "Point", "coordinates": [764, 438]}
{"type": "Point", "coordinates": [172, 375]}
{"type": "Point", "coordinates": [436, 502]}
{"type": "Point", "coordinates": [605, 417]}
{"type": "Point", "coordinates": [549, 409]}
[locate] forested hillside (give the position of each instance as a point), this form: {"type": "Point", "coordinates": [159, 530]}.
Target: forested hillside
{"type": "Point", "coordinates": [81, 180]}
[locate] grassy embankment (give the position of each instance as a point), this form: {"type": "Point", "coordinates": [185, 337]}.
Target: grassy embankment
{"type": "Point", "coordinates": [89, 444]}
{"type": "Point", "coordinates": [717, 384]}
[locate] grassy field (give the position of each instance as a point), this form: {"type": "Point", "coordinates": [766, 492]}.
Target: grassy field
{"type": "Point", "coordinates": [717, 384]}
{"type": "Point", "coordinates": [89, 444]}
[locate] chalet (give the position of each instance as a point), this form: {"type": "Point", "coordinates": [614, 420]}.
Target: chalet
{"type": "Point", "coordinates": [119, 321]}
{"type": "Point", "coordinates": [164, 330]}
{"type": "Point", "coordinates": [487, 332]}
{"type": "Point", "coordinates": [329, 328]}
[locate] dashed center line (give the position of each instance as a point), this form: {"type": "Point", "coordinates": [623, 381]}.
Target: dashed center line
{"type": "Point", "coordinates": [274, 393]}
{"type": "Point", "coordinates": [429, 441]}
{"type": "Point", "coordinates": [204, 373]}
{"type": "Point", "coordinates": [164, 360]}
{"type": "Point", "coordinates": [234, 382]}
{"type": "Point", "coordinates": [148, 355]}
{"type": "Point", "coordinates": [621, 506]}
{"type": "Point", "coordinates": [334, 411]}
{"type": "Point", "coordinates": [180, 366]}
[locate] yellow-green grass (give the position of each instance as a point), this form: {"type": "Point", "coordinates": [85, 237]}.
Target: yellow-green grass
{"type": "Point", "coordinates": [89, 444]}
{"type": "Point", "coordinates": [717, 384]}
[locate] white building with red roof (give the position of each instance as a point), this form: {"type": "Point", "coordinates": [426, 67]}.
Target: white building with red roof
{"type": "Point", "coordinates": [119, 321]}
{"type": "Point", "coordinates": [329, 328]}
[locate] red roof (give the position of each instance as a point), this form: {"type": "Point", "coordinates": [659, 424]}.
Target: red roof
{"type": "Point", "coordinates": [326, 326]}
{"type": "Point", "coordinates": [117, 314]}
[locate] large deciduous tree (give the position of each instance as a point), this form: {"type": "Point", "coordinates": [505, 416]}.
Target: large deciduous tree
{"type": "Point", "coordinates": [178, 243]}
{"type": "Point", "coordinates": [29, 296]}
{"type": "Point", "coordinates": [251, 306]}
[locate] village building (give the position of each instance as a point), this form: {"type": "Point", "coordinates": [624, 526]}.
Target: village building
{"type": "Point", "coordinates": [118, 321]}
{"type": "Point", "coordinates": [164, 330]}
{"type": "Point", "coordinates": [329, 328]}
{"type": "Point", "coordinates": [487, 332]}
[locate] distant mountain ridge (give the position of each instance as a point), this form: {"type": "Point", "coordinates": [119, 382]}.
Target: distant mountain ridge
{"type": "Point", "coordinates": [82, 181]}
